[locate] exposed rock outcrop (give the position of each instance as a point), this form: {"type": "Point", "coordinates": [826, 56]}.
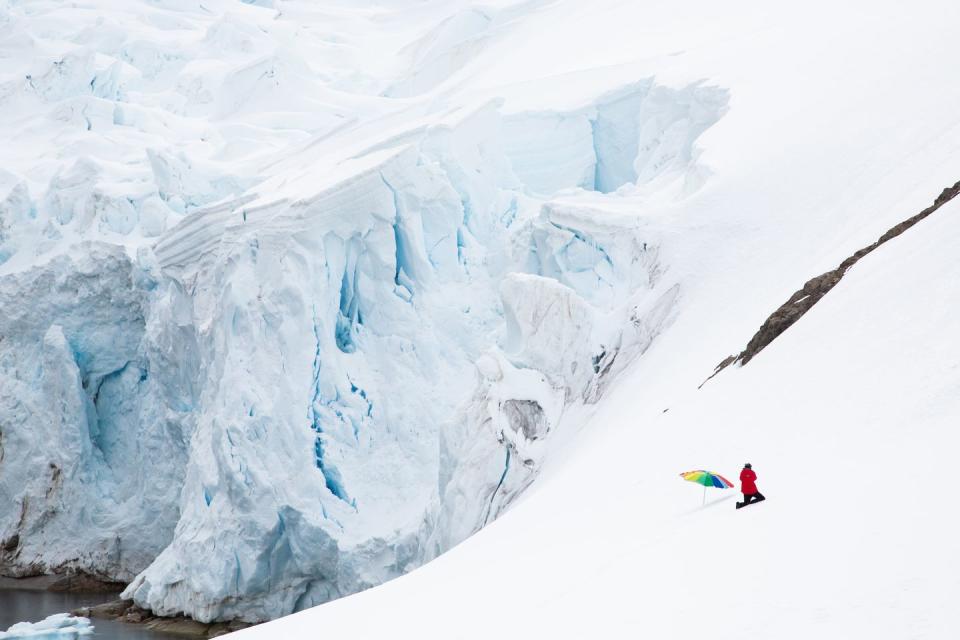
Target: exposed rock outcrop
{"type": "Point", "coordinates": [804, 298]}
{"type": "Point", "coordinates": [127, 611]}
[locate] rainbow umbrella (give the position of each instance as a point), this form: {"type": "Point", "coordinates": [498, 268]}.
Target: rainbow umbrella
{"type": "Point", "coordinates": [707, 479]}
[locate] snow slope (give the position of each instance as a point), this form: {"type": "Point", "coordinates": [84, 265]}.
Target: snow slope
{"type": "Point", "coordinates": [842, 122]}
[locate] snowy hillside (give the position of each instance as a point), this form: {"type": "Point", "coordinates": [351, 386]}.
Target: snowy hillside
{"type": "Point", "coordinates": [299, 295]}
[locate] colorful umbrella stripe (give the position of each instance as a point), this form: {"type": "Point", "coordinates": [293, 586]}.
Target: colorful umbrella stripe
{"type": "Point", "coordinates": [707, 479]}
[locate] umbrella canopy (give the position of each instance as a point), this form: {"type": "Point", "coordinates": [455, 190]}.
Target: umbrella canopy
{"type": "Point", "coordinates": [707, 479]}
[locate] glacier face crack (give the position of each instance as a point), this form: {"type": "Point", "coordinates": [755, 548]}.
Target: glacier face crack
{"type": "Point", "coordinates": [330, 377]}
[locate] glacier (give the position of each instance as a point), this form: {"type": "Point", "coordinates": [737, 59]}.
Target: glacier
{"type": "Point", "coordinates": [272, 336]}
{"type": "Point", "coordinates": [315, 302]}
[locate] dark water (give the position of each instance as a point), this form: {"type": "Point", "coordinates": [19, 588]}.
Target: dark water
{"type": "Point", "coordinates": [18, 605]}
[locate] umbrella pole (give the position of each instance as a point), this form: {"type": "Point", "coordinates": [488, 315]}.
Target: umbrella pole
{"type": "Point", "coordinates": [704, 496]}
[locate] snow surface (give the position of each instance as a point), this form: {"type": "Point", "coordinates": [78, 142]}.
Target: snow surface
{"type": "Point", "coordinates": [299, 295]}
{"type": "Point", "coordinates": [59, 626]}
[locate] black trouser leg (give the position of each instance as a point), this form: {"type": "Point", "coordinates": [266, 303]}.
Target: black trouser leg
{"type": "Point", "coordinates": [758, 497]}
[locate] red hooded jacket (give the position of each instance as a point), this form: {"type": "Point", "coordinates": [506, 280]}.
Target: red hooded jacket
{"type": "Point", "coordinates": [747, 482]}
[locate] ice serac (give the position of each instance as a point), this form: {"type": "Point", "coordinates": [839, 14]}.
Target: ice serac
{"type": "Point", "coordinates": [309, 473]}
{"type": "Point", "coordinates": [559, 350]}
{"type": "Point", "coordinates": [96, 414]}
{"type": "Point", "coordinates": [625, 138]}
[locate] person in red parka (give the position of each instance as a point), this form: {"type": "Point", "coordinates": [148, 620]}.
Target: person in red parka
{"type": "Point", "coordinates": [748, 485]}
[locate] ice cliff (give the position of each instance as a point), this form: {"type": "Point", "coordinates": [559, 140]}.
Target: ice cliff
{"type": "Point", "coordinates": [250, 381]}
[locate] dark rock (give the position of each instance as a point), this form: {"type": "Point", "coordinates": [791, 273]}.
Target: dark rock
{"type": "Point", "coordinates": [109, 610]}
{"type": "Point", "coordinates": [224, 628]}
{"type": "Point", "coordinates": [133, 616]}
{"type": "Point", "coordinates": [128, 612]}
{"type": "Point", "coordinates": [527, 417]}
{"type": "Point", "coordinates": [10, 544]}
